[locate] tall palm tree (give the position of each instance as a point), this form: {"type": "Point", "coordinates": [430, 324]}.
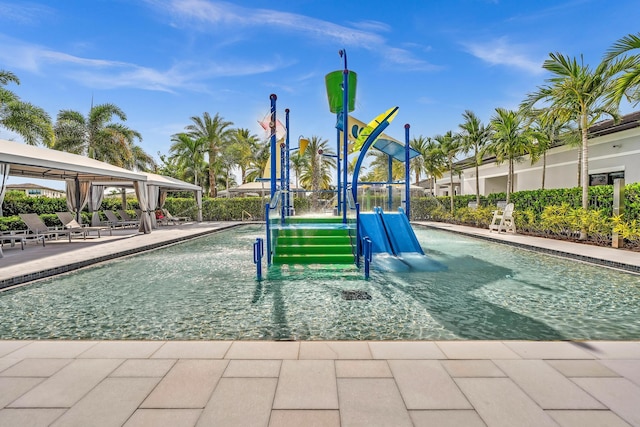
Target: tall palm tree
{"type": "Point", "coordinates": [317, 175]}
{"type": "Point", "coordinates": [189, 155]}
{"type": "Point", "coordinates": [548, 129]}
{"type": "Point", "coordinates": [32, 123]}
{"type": "Point", "coordinates": [258, 162]}
{"type": "Point", "coordinates": [380, 167]}
{"type": "Point", "coordinates": [298, 163]}
{"type": "Point", "coordinates": [628, 82]}
{"type": "Point", "coordinates": [435, 162]}
{"type": "Point", "coordinates": [420, 144]}
{"type": "Point", "coordinates": [97, 137]}
{"type": "Point", "coordinates": [216, 132]}
{"type": "Point", "coordinates": [511, 139]}
{"type": "Point", "coordinates": [575, 90]}
{"type": "Point", "coordinates": [449, 144]}
{"type": "Point", "coordinates": [242, 149]}
{"type": "Point", "coordinates": [474, 137]}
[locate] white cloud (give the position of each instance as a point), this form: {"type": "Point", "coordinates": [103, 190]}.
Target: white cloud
{"type": "Point", "coordinates": [217, 15]}
{"type": "Point", "coordinates": [501, 52]}
{"type": "Point", "coordinates": [25, 13]}
{"type": "Point", "coordinates": [101, 73]}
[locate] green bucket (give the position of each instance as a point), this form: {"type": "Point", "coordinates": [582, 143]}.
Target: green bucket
{"type": "Point", "coordinates": [334, 81]}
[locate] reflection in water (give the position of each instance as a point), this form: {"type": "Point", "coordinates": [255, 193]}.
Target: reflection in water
{"type": "Point", "coordinates": [206, 289]}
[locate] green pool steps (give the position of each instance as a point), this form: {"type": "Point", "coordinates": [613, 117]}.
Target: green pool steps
{"type": "Point", "coordinates": [313, 242]}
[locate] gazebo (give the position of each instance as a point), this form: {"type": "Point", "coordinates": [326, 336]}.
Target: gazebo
{"type": "Point", "coordinates": [80, 174]}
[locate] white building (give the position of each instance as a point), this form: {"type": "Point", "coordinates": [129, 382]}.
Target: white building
{"type": "Point", "coordinates": [35, 190]}
{"type": "Point", "coordinates": [614, 152]}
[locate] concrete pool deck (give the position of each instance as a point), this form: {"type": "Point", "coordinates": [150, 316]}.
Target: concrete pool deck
{"type": "Point", "coordinates": [307, 383]}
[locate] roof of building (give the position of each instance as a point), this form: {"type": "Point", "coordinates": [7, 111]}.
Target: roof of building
{"type": "Point", "coordinates": [605, 127]}
{"type": "Point", "coordinates": [29, 185]}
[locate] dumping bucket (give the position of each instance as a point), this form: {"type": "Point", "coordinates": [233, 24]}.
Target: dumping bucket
{"type": "Point", "coordinates": [333, 82]}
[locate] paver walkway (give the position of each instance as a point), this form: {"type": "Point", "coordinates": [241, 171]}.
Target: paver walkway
{"type": "Point", "coordinates": [246, 383]}
{"type": "Point", "coordinates": [350, 383]}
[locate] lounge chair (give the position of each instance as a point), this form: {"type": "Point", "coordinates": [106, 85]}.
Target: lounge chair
{"type": "Point", "coordinates": [36, 226]}
{"type": "Point", "coordinates": [69, 221]}
{"type": "Point", "coordinates": [14, 236]}
{"type": "Point", "coordinates": [114, 221]}
{"type": "Point", "coordinates": [175, 219]}
{"type": "Point", "coordinates": [126, 217]}
{"type": "Point", "coordinates": [503, 220]}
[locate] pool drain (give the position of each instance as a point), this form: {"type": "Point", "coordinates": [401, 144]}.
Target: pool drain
{"type": "Point", "coordinates": [355, 295]}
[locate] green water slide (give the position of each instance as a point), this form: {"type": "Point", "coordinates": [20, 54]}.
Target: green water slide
{"type": "Point", "coordinates": [314, 241]}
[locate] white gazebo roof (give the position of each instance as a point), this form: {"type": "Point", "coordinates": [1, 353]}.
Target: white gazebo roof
{"type": "Point", "coordinates": [161, 181]}
{"type": "Point", "coordinates": [37, 162]}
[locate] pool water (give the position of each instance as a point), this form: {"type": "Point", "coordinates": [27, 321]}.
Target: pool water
{"type": "Point", "coordinates": [206, 289]}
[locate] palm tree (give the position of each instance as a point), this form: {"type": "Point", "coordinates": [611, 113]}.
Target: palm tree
{"type": "Point", "coordinates": [32, 123]}
{"type": "Point", "coordinates": [434, 162]}
{"type": "Point", "coordinates": [298, 163]}
{"type": "Point", "coordinates": [449, 145]}
{"type": "Point", "coordinates": [474, 137]}
{"type": "Point", "coordinates": [98, 138]}
{"type": "Point", "coordinates": [242, 149]}
{"type": "Point", "coordinates": [420, 144]}
{"type": "Point", "coordinates": [189, 155]}
{"type": "Point", "coordinates": [628, 83]}
{"type": "Point", "coordinates": [216, 132]}
{"type": "Point", "coordinates": [258, 162]}
{"type": "Point", "coordinates": [548, 130]}
{"type": "Point", "coordinates": [575, 90]}
{"type": "Point", "coordinates": [511, 139]}
{"type": "Point", "coordinates": [317, 175]}
{"type": "Point", "coordinates": [380, 167]}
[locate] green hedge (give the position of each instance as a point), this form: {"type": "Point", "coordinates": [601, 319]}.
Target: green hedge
{"type": "Point", "coordinates": [534, 209]}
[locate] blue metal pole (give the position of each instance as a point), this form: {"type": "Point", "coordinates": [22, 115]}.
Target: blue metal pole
{"type": "Point", "coordinates": [286, 180]}
{"type": "Point", "coordinates": [266, 215]}
{"type": "Point", "coordinates": [272, 126]}
{"type": "Point", "coordinates": [358, 242]}
{"type": "Point", "coordinates": [390, 180]}
{"type": "Point", "coordinates": [283, 187]}
{"type": "Point", "coordinates": [258, 253]}
{"type": "Point", "coordinates": [345, 122]}
{"type": "Point", "coordinates": [339, 186]}
{"type": "Point", "coordinates": [368, 248]}
{"type": "Point", "coordinates": [407, 194]}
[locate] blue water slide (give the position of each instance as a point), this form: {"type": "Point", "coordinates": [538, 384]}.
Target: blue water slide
{"type": "Point", "coordinates": [402, 238]}
{"type": "Point", "coordinates": [371, 226]}
{"type": "Point", "coordinates": [395, 246]}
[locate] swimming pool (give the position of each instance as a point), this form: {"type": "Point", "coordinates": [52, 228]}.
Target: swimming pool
{"type": "Point", "coordinates": [206, 289]}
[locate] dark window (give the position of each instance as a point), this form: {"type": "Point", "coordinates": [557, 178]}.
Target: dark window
{"type": "Point", "coordinates": [605, 178]}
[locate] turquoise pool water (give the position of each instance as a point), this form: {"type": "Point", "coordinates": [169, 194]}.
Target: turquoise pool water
{"type": "Point", "coordinates": [206, 289]}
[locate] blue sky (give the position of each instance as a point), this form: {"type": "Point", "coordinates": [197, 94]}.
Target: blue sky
{"type": "Point", "coordinates": [163, 61]}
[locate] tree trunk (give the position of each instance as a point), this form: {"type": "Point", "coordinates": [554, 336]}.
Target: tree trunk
{"type": "Point", "coordinates": [212, 174]}
{"type": "Point", "coordinates": [451, 185]}
{"type": "Point", "coordinates": [544, 167]}
{"type": "Point", "coordinates": [477, 187]}
{"type": "Point", "coordinates": [579, 168]}
{"type": "Point", "coordinates": [585, 171]}
{"type": "Point", "coordinates": [509, 181]}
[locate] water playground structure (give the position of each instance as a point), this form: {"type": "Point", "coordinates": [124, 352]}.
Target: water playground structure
{"type": "Point", "coordinates": [384, 240]}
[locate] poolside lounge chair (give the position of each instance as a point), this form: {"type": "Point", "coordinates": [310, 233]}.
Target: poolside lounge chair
{"type": "Point", "coordinates": [36, 226]}
{"type": "Point", "coordinates": [175, 219]}
{"type": "Point", "coordinates": [503, 220]}
{"type": "Point", "coordinates": [14, 236]}
{"type": "Point", "coordinates": [114, 221]}
{"type": "Point", "coordinates": [69, 221]}
{"type": "Point", "coordinates": [126, 217]}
